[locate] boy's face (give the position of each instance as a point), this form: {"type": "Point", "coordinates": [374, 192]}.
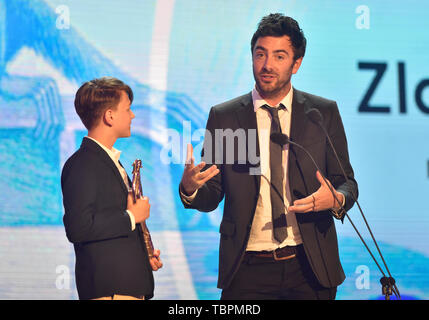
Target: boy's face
{"type": "Point", "coordinates": [122, 117]}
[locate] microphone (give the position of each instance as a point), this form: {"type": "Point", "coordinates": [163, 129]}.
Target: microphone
{"type": "Point", "coordinates": [387, 282]}
{"type": "Point", "coordinates": [282, 139]}
{"type": "Point", "coordinates": [279, 138]}
{"type": "Point", "coordinates": [315, 116]}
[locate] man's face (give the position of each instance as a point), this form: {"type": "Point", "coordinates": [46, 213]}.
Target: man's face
{"type": "Point", "coordinates": [273, 66]}
{"type": "Point", "coordinates": [123, 116]}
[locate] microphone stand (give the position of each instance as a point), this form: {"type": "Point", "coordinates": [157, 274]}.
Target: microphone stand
{"type": "Point", "coordinates": [388, 283]}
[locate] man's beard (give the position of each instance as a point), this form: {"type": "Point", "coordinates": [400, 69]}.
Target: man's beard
{"type": "Point", "coordinates": [271, 89]}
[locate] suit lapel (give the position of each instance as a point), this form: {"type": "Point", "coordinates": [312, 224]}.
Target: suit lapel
{"type": "Point", "coordinates": [299, 123]}
{"type": "Point", "coordinates": [299, 118]}
{"type": "Point", "coordinates": [93, 146]}
{"type": "Point", "coordinates": [128, 178]}
{"type": "Point", "coordinates": [245, 113]}
{"type": "Point", "coordinates": [246, 118]}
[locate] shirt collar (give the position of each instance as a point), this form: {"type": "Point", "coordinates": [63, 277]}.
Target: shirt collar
{"type": "Point", "coordinates": [258, 101]}
{"type": "Point", "coordinates": [113, 153]}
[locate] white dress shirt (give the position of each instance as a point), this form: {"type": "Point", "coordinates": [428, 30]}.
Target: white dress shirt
{"type": "Point", "coordinates": [261, 233]}
{"type": "Point", "coordinates": [115, 154]}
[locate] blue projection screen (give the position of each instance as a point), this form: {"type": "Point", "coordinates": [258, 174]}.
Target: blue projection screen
{"type": "Point", "coordinates": [181, 58]}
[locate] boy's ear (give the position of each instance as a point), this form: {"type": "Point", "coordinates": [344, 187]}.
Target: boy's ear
{"type": "Point", "coordinates": [108, 117]}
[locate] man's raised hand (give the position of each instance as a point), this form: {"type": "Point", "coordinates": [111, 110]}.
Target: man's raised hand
{"type": "Point", "coordinates": [193, 178]}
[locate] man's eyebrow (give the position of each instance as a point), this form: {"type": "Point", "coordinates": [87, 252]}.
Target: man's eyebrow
{"type": "Point", "coordinates": [275, 51]}
{"type": "Point", "coordinates": [282, 51]}
{"type": "Point", "coordinates": [260, 48]}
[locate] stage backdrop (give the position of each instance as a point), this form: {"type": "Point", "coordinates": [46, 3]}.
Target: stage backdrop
{"type": "Point", "coordinates": [182, 57]}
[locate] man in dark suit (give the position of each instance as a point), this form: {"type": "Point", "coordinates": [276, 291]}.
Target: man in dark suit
{"type": "Point", "coordinates": [278, 237]}
{"type": "Point", "coordinates": [101, 218]}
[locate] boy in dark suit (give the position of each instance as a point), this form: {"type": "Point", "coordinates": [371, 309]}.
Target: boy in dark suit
{"type": "Point", "coordinates": [101, 218]}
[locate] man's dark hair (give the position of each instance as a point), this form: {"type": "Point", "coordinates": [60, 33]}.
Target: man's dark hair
{"type": "Point", "coordinates": [96, 96]}
{"type": "Point", "coordinates": [278, 25]}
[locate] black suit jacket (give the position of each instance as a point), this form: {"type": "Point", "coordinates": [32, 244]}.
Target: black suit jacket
{"type": "Point", "coordinates": [241, 189]}
{"type": "Point", "coordinates": [110, 257]}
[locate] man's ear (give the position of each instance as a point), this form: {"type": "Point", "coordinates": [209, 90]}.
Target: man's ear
{"type": "Point", "coordinates": [108, 117]}
{"type": "Point", "coordinates": [296, 65]}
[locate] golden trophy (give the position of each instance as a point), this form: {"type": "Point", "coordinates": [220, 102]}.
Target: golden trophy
{"type": "Point", "coordinates": [138, 193]}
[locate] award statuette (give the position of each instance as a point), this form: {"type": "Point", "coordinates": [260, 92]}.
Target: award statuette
{"type": "Point", "coordinates": [138, 193]}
